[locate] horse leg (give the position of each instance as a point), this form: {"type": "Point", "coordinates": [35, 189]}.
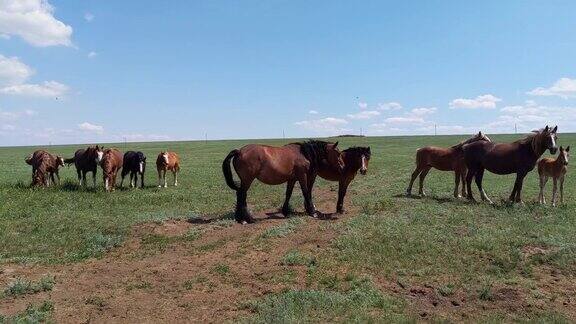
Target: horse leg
{"type": "Point", "coordinates": [541, 198]}
{"type": "Point", "coordinates": [519, 189]}
{"type": "Point", "coordinates": [303, 181]}
{"type": "Point", "coordinates": [414, 176]}
{"type": "Point", "coordinates": [342, 188]}
{"type": "Point", "coordinates": [469, 176]}
{"type": "Point", "coordinates": [175, 173]}
{"type": "Point", "coordinates": [242, 215]}
{"type": "Point", "coordinates": [58, 176]}
{"type": "Point", "coordinates": [479, 175]}
{"type": "Point", "coordinates": [165, 180]}
{"type": "Point", "coordinates": [463, 179]}
{"type": "Point", "coordinates": [311, 180]}
{"type": "Point", "coordinates": [141, 179]}
{"type": "Point", "coordinates": [84, 178]}
{"type": "Point", "coordinates": [93, 178]}
{"type": "Point", "coordinates": [554, 191]}
{"type": "Point", "coordinates": [422, 177]}
{"type": "Point", "coordinates": [456, 184]}
{"type": "Point", "coordinates": [562, 189]}
{"type": "Point", "coordinates": [289, 189]}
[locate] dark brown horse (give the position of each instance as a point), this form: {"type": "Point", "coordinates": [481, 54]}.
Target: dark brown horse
{"type": "Point", "coordinates": [518, 157]}
{"type": "Point", "coordinates": [356, 159]}
{"type": "Point", "coordinates": [443, 159]}
{"type": "Point", "coordinates": [112, 161]}
{"type": "Point", "coordinates": [276, 165]}
{"type": "Point", "coordinates": [44, 166]}
{"type": "Point", "coordinates": [86, 160]}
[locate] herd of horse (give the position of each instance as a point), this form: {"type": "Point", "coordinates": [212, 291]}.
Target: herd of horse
{"type": "Point", "coordinates": [302, 162]}
{"type": "Point", "coordinates": [45, 165]}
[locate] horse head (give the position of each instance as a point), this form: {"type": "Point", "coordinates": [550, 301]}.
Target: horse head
{"type": "Point", "coordinates": [98, 154]}
{"type": "Point", "coordinates": [548, 139]}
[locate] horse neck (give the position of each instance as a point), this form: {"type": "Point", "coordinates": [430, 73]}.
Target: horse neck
{"type": "Point", "coordinates": [536, 146]}
{"type": "Point", "coordinates": [351, 161]}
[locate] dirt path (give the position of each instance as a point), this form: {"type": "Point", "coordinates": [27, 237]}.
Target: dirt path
{"type": "Point", "coordinates": [207, 279]}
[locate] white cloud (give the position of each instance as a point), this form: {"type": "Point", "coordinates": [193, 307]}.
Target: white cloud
{"type": "Point", "coordinates": [313, 112]}
{"type": "Point", "coordinates": [389, 106]}
{"type": "Point", "coordinates": [366, 114]}
{"type": "Point", "coordinates": [13, 77]}
{"type": "Point", "coordinates": [404, 120]}
{"type": "Point", "coordinates": [34, 21]}
{"type": "Point", "coordinates": [14, 115]}
{"type": "Point", "coordinates": [13, 71]}
{"type": "Point", "coordinates": [88, 17]}
{"type": "Point", "coordinates": [328, 124]}
{"type": "Point", "coordinates": [92, 54]}
{"type": "Point", "coordinates": [422, 111]}
{"type": "Point", "coordinates": [46, 89]}
{"type": "Point", "coordinates": [362, 105]}
{"type": "Point", "coordinates": [88, 127]}
{"type": "Point", "coordinates": [564, 88]}
{"type": "Point", "coordinates": [487, 101]}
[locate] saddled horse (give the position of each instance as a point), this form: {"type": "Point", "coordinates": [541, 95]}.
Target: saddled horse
{"type": "Point", "coordinates": [506, 158]}
{"type": "Point", "coordinates": [111, 163]}
{"type": "Point", "coordinates": [276, 165]}
{"type": "Point", "coordinates": [443, 159]}
{"type": "Point", "coordinates": [86, 160]}
{"type": "Point", "coordinates": [44, 166]}
{"type": "Point", "coordinates": [135, 164]}
{"type": "Point", "coordinates": [167, 161]}
{"type": "Point", "coordinates": [356, 159]}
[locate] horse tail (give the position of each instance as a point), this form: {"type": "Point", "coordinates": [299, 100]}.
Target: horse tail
{"type": "Point", "coordinates": [69, 161]}
{"type": "Point", "coordinates": [227, 170]}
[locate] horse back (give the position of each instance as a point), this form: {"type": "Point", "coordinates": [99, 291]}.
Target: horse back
{"type": "Point", "coordinates": [441, 158]}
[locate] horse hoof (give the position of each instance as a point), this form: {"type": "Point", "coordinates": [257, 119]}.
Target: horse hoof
{"type": "Point", "coordinates": [244, 222]}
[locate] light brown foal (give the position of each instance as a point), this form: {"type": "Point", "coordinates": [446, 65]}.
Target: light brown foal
{"type": "Point", "coordinates": [555, 168]}
{"type": "Point", "coordinates": [167, 161]}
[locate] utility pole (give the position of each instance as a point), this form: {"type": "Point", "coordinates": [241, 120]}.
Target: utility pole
{"type": "Point", "coordinates": [361, 131]}
{"type": "Point", "coordinates": [206, 138]}
{"type": "Point", "coordinates": [125, 143]}
{"type": "Point", "coordinates": [435, 131]}
{"type": "Point", "coordinates": [515, 129]}
{"type": "Point", "coordinates": [283, 135]}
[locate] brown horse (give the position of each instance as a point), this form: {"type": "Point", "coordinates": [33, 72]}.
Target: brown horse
{"type": "Point", "coordinates": [356, 159]}
{"type": "Point", "coordinates": [443, 159]}
{"type": "Point", "coordinates": [518, 157]}
{"type": "Point", "coordinates": [164, 162]}
{"type": "Point", "coordinates": [555, 168]}
{"type": "Point", "coordinates": [87, 160]}
{"type": "Point", "coordinates": [44, 167]}
{"type": "Point", "coordinates": [276, 165]}
{"type": "Point", "coordinates": [111, 163]}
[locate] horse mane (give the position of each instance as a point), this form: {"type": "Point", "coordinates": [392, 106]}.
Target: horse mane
{"type": "Point", "coordinates": [468, 141]}
{"type": "Point", "coordinates": [534, 140]}
{"type": "Point", "coordinates": [358, 150]}
{"type": "Point", "coordinates": [314, 151]}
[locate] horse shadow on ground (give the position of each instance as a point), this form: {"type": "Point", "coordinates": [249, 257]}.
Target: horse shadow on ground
{"type": "Point", "coordinates": [208, 220]}
{"type": "Point", "coordinates": [441, 200]}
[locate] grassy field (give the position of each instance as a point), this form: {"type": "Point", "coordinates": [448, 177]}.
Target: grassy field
{"type": "Point", "coordinates": [500, 257]}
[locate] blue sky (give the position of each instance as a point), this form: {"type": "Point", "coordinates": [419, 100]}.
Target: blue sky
{"type": "Point", "coordinates": [101, 71]}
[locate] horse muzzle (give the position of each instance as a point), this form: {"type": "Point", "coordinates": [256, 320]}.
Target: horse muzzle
{"type": "Point", "coordinates": [363, 171]}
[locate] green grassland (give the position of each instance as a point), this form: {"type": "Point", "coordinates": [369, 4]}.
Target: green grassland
{"type": "Point", "coordinates": [454, 244]}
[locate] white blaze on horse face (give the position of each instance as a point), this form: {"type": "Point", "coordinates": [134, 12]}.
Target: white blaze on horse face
{"type": "Point", "coordinates": [165, 155]}
{"type": "Point", "coordinates": [363, 167]}
{"type": "Point", "coordinates": [61, 160]}
{"type": "Point", "coordinates": [99, 156]}
{"type": "Point", "coordinates": [553, 140]}
{"type": "Point", "coordinates": [141, 167]}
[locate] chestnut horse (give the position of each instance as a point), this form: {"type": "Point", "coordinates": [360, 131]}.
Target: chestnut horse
{"type": "Point", "coordinates": [356, 159]}
{"type": "Point", "coordinates": [505, 158]}
{"type": "Point", "coordinates": [276, 165]}
{"type": "Point", "coordinates": [44, 167]}
{"type": "Point", "coordinates": [111, 163]}
{"type": "Point", "coordinates": [443, 159]}
{"type": "Point", "coordinates": [87, 160]}
{"type": "Point", "coordinates": [167, 161]}
{"type": "Point", "coordinates": [555, 168]}
{"type": "Point", "coordinates": [135, 164]}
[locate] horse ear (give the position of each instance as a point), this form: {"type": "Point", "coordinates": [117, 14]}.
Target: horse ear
{"type": "Point", "coordinates": [480, 133]}
{"type": "Point", "coordinates": [335, 144]}
{"type": "Point", "coordinates": [555, 129]}
{"type": "Point", "coordinates": [561, 148]}
{"type": "Point", "coordinates": [568, 148]}
{"type": "Point", "coordinates": [546, 128]}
